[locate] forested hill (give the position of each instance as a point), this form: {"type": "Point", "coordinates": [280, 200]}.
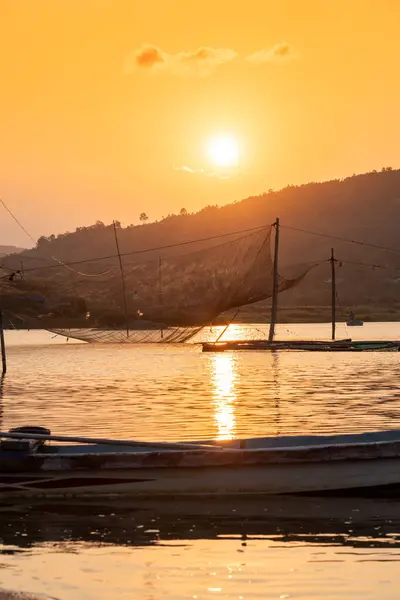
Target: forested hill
{"type": "Point", "coordinates": [364, 207]}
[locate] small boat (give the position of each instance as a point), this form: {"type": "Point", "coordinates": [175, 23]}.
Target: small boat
{"type": "Point", "coordinates": [353, 322]}
{"type": "Point", "coordinates": [355, 347]}
{"type": "Point", "coordinates": [30, 466]}
{"type": "Point", "coordinates": [309, 346]}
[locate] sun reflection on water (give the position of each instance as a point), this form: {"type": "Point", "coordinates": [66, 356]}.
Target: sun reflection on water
{"type": "Point", "coordinates": [224, 378]}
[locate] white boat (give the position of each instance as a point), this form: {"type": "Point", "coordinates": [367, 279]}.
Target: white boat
{"type": "Point", "coordinates": [93, 467]}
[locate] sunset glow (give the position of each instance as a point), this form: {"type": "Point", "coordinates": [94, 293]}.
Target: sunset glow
{"type": "Point", "coordinates": [223, 151]}
{"type": "Point", "coordinates": [180, 109]}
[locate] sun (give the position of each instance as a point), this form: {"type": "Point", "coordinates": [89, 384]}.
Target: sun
{"type": "Point", "coordinates": [223, 151]}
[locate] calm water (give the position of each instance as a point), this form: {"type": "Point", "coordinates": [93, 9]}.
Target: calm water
{"type": "Point", "coordinates": [247, 549]}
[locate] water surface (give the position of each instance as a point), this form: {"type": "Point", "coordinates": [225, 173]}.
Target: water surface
{"type": "Point", "coordinates": [248, 549]}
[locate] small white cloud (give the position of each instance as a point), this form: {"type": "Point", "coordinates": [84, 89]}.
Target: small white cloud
{"type": "Point", "coordinates": [204, 172]}
{"type": "Point", "coordinates": [279, 53]}
{"type": "Point", "coordinates": [185, 169]}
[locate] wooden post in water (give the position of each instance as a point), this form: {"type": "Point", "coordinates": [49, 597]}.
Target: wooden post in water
{"type": "Point", "coordinates": [3, 346]}
{"type": "Point", "coordinates": [160, 291]}
{"type": "Point", "coordinates": [275, 285]}
{"type": "Point", "coordinates": [122, 280]}
{"type": "Point", "coordinates": [333, 277]}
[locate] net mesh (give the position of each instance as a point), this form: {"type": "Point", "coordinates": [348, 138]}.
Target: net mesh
{"type": "Point", "coordinates": [156, 297]}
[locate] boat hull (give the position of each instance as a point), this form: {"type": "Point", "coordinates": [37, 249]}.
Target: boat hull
{"type": "Point", "coordinates": [309, 346]}
{"type": "Point", "coordinates": [272, 480]}
{"type": "Point", "coordinates": [343, 469]}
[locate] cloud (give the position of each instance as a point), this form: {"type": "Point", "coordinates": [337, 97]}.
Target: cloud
{"type": "Point", "coordinates": [204, 61]}
{"type": "Point", "coordinates": [278, 53]}
{"type": "Point", "coordinates": [149, 57]}
{"type": "Point", "coordinates": [185, 169]}
{"type": "Point", "coordinates": [203, 172]}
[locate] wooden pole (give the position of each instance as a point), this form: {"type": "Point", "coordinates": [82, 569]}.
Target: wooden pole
{"type": "Point", "coordinates": [3, 347]}
{"type": "Point", "coordinates": [122, 280]}
{"type": "Point", "coordinates": [160, 290]}
{"type": "Point", "coordinates": [228, 325]}
{"type": "Point", "coordinates": [275, 285]}
{"type": "Point", "coordinates": [118, 442]}
{"type": "Point", "coordinates": [333, 277]}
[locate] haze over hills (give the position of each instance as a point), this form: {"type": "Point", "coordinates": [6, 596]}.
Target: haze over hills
{"type": "Point", "coordinates": [364, 207]}
{"type": "Point", "coordinates": [4, 250]}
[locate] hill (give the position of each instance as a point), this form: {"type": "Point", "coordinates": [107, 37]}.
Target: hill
{"type": "Point", "coordinates": [5, 250]}
{"type": "Point", "coordinates": [363, 207]}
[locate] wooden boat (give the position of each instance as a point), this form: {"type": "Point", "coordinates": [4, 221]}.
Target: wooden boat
{"type": "Point", "coordinates": [310, 346]}
{"type": "Point", "coordinates": [95, 467]}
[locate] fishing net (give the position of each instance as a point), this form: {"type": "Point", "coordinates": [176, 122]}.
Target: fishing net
{"type": "Point", "coordinates": [164, 295]}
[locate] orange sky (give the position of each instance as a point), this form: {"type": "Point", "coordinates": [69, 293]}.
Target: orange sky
{"type": "Point", "coordinates": [89, 132]}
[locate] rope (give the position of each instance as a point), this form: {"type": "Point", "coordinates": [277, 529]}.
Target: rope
{"type": "Point", "coordinates": [143, 250]}
{"type": "Point", "coordinates": [342, 239]}
{"type": "Point", "coordinates": [53, 257]}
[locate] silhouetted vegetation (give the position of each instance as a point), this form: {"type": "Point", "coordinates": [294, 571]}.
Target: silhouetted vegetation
{"type": "Point", "coordinates": [361, 207]}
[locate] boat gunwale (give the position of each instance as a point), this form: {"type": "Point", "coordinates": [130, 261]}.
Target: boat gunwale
{"type": "Point", "coordinates": [193, 459]}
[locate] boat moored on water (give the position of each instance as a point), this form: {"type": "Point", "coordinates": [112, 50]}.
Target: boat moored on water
{"type": "Point", "coordinates": [310, 346]}
{"type": "Point", "coordinates": [31, 465]}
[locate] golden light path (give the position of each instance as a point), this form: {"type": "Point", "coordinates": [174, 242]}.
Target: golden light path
{"type": "Point", "coordinates": [224, 378]}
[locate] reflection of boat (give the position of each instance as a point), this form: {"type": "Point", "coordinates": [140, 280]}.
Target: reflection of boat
{"type": "Point", "coordinates": [337, 464]}
{"type": "Point", "coordinates": [355, 523]}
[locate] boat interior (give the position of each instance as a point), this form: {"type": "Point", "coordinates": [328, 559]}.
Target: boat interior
{"type": "Point", "coordinates": [32, 446]}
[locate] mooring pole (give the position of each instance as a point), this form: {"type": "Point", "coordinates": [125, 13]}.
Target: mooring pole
{"type": "Point", "coordinates": [3, 346]}
{"type": "Point", "coordinates": [333, 277]}
{"type": "Point", "coordinates": [122, 281]}
{"type": "Point", "coordinates": [160, 297]}
{"type": "Point", "coordinates": [275, 285]}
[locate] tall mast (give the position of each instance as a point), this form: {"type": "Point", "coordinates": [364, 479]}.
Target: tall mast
{"type": "Point", "coordinates": [122, 280]}
{"type": "Point", "coordinates": [275, 285]}
{"type": "Point", "coordinates": [3, 347]}
{"type": "Point", "coordinates": [333, 278]}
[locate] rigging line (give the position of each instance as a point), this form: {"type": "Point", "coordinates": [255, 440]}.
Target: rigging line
{"type": "Point", "coordinates": [34, 241]}
{"type": "Point", "coordinates": [17, 221]}
{"type": "Point", "coordinates": [143, 250]}
{"type": "Point", "coordinates": [373, 266]}
{"type": "Point", "coordinates": [306, 263]}
{"type": "Point", "coordinates": [342, 239]}
{"type": "Point", "coordinates": [255, 229]}
{"type": "Point", "coordinates": [79, 272]}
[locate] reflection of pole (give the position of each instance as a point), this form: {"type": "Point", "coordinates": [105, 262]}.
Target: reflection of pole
{"type": "Point", "coordinates": [275, 285]}
{"type": "Point", "coordinates": [3, 347]}
{"type": "Point", "coordinates": [122, 280]}
{"type": "Point", "coordinates": [275, 370]}
{"type": "Point", "coordinates": [160, 292]}
{"type": "Point", "coordinates": [333, 277]}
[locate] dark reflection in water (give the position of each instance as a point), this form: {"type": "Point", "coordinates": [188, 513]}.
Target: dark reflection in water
{"type": "Point", "coordinates": [194, 549]}
{"type": "Point", "coordinates": [357, 523]}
